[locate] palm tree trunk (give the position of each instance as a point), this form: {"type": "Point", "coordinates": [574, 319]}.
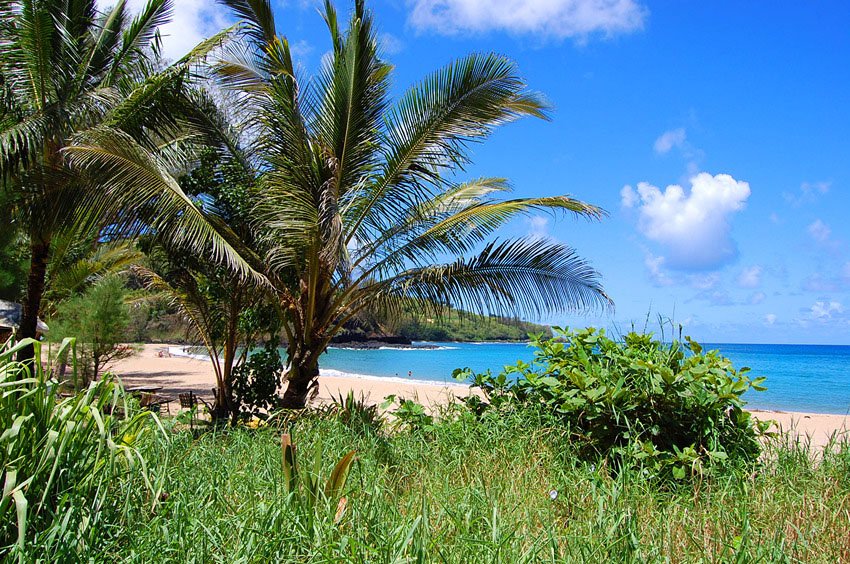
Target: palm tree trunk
{"type": "Point", "coordinates": [224, 399]}
{"type": "Point", "coordinates": [303, 376]}
{"type": "Point", "coordinates": [28, 328]}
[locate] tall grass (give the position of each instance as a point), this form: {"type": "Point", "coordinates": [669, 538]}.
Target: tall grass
{"type": "Point", "coordinates": [65, 459]}
{"type": "Point", "coordinates": [503, 490]}
{"type": "Point", "coordinates": [83, 483]}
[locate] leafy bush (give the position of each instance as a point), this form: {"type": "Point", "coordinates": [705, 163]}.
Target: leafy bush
{"type": "Point", "coordinates": [257, 382]}
{"type": "Point", "coordinates": [410, 414]}
{"type": "Point", "coordinates": [672, 409]}
{"type": "Point", "coordinates": [60, 456]}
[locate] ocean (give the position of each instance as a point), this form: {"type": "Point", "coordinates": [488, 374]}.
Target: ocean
{"type": "Point", "coordinates": [809, 378]}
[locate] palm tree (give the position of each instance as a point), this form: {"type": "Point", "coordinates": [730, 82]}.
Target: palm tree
{"type": "Point", "coordinates": [227, 312]}
{"type": "Point", "coordinates": [359, 204]}
{"type": "Point", "coordinates": [79, 91]}
{"type": "Point", "coordinates": [78, 261]}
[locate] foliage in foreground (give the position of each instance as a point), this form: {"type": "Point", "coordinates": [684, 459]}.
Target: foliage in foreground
{"type": "Point", "coordinates": [669, 409]}
{"type": "Point", "coordinates": [496, 489]}
{"type": "Point", "coordinates": [69, 463]}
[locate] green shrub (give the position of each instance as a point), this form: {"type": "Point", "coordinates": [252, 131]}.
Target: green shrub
{"type": "Point", "coordinates": [410, 414]}
{"type": "Point", "coordinates": [258, 381]}
{"type": "Point", "coordinates": [61, 457]}
{"type": "Point", "coordinates": [671, 409]}
{"type": "Point", "coordinates": [98, 319]}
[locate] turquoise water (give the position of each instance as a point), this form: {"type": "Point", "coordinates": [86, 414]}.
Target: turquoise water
{"type": "Point", "coordinates": [814, 378]}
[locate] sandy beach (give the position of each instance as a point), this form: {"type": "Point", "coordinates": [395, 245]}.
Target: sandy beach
{"type": "Point", "coordinates": [175, 374]}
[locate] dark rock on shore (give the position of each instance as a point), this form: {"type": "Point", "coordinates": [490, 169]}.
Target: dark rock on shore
{"type": "Point", "coordinates": [372, 344]}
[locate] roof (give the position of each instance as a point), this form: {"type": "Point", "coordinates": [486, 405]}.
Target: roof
{"type": "Point", "coordinates": [10, 317]}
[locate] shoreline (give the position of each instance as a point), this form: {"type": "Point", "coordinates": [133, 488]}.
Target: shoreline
{"type": "Point", "coordinates": [178, 352]}
{"type": "Point", "coordinates": [184, 372]}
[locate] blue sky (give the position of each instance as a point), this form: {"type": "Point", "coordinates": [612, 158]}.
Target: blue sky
{"type": "Point", "coordinates": [743, 105]}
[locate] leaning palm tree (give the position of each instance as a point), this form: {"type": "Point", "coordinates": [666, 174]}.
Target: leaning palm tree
{"type": "Point", "coordinates": [78, 261]}
{"type": "Point", "coordinates": [72, 77]}
{"type": "Point", "coordinates": [359, 204]}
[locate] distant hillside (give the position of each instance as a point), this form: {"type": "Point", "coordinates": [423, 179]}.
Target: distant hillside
{"type": "Point", "coordinates": [457, 326]}
{"type": "Point", "coordinates": [159, 323]}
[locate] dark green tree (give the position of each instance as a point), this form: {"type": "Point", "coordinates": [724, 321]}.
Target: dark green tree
{"type": "Point", "coordinates": [80, 92]}
{"type": "Point", "coordinates": [98, 319]}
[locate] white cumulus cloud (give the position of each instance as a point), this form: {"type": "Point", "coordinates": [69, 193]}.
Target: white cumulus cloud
{"type": "Point", "coordinates": [750, 277]}
{"type": "Point", "coordinates": [823, 310]}
{"type": "Point", "coordinates": [670, 139]}
{"type": "Point", "coordinates": [552, 18]}
{"type": "Point", "coordinates": [770, 318]}
{"type": "Point", "coordinates": [693, 227]}
{"type": "Point", "coordinates": [192, 21]}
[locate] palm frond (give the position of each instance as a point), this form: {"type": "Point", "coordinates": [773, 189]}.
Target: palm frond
{"type": "Point", "coordinates": [141, 33]}
{"type": "Point", "coordinates": [482, 218]}
{"type": "Point", "coordinates": [429, 130]}
{"type": "Point", "coordinates": [36, 39]}
{"type": "Point", "coordinates": [136, 187]}
{"type": "Point", "coordinates": [240, 69]}
{"type": "Point", "coordinates": [258, 18]}
{"type": "Point", "coordinates": [68, 275]}
{"type": "Point", "coordinates": [353, 86]}
{"type": "Point", "coordinates": [107, 37]}
{"type": "Point", "coordinates": [507, 278]}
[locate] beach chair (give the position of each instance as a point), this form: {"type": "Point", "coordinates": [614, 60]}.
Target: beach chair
{"type": "Point", "coordinates": [154, 402]}
{"type": "Point", "coordinates": [189, 400]}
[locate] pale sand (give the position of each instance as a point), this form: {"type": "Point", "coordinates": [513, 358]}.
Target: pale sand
{"type": "Point", "coordinates": [179, 374]}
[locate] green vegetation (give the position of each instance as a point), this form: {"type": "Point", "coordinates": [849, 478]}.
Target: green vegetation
{"type": "Point", "coordinates": [357, 202]}
{"type": "Point", "coordinates": [462, 484]}
{"type": "Point", "coordinates": [317, 203]}
{"type": "Point", "coordinates": [479, 491]}
{"type": "Point", "coordinates": [82, 90]}
{"type": "Point", "coordinates": [455, 325]}
{"type": "Point", "coordinates": [98, 319]}
{"type": "Point", "coordinates": [669, 409]}
{"type": "Point", "coordinates": [320, 199]}
{"type": "Point", "coordinates": [470, 490]}
{"type": "Point", "coordinates": [70, 463]}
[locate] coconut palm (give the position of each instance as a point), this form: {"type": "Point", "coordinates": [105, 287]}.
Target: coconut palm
{"type": "Point", "coordinates": [75, 78]}
{"type": "Point", "coordinates": [359, 200]}
{"type": "Point", "coordinates": [79, 260]}
{"type": "Point", "coordinates": [226, 312]}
